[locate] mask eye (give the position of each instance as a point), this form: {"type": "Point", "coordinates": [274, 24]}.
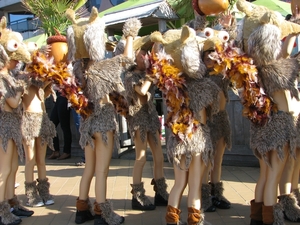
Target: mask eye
{"type": "Point", "coordinates": [224, 36]}
{"type": "Point", "coordinates": [208, 32]}
{"type": "Point", "coordinates": [12, 45]}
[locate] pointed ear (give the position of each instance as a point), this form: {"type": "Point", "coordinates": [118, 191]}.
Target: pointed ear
{"type": "Point", "coordinates": [3, 22]}
{"type": "Point", "coordinates": [93, 15]}
{"type": "Point", "coordinates": [156, 36]}
{"type": "Point", "coordinates": [70, 14]}
{"type": "Point", "coordinates": [186, 34]}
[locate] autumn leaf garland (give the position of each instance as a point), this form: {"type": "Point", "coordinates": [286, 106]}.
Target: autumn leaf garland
{"type": "Point", "coordinates": [170, 81]}
{"type": "Point", "coordinates": [240, 70]}
{"type": "Point", "coordinates": [46, 70]}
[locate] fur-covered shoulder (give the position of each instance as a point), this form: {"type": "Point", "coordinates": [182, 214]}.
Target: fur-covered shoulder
{"type": "Point", "coordinates": [280, 74]}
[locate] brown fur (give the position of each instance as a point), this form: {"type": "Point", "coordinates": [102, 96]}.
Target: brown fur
{"type": "Point", "coordinates": [195, 216]}
{"type": "Point", "coordinates": [279, 131]}
{"type": "Point", "coordinates": [138, 192]}
{"type": "Point", "coordinates": [38, 125]}
{"type": "Point", "coordinates": [172, 216]}
{"type": "Point", "coordinates": [141, 117]}
{"type": "Point", "coordinates": [256, 210]}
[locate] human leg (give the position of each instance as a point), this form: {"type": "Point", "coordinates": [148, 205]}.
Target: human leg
{"type": "Point", "coordinates": [83, 206]}
{"type": "Point", "coordinates": [159, 181]}
{"type": "Point", "coordinates": [104, 213]}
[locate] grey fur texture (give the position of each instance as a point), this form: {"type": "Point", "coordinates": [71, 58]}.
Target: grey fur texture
{"type": "Point", "coordinates": [16, 203]}
{"type": "Point", "coordinates": [43, 187]}
{"type": "Point", "coordinates": [206, 201]}
{"type": "Point", "coordinates": [71, 44]}
{"type": "Point", "coordinates": [290, 207]}
{"type": "Point", "coordinates": [6, 216]}
{"type": "Point", "coordinates": [160, 187]}
{"type": "Point", "coordinates": [217, 190]}
{"type": "Point", "coordinates": [261, 52]}
{"type": "Point", "coordinates": [141, 117]}
{"type": "Point", "coordinates": [32, 193]}
{"type": "Point", "coordinates": [199, 23]}
{"type": "Point", "coordinates": [11, 129]}
{"type": "Point", "coordinates": [280, 74]}
{"type": "Point", "coordinates": [131, 27]}
{"type": "Point", "coordinates": [108, 213]}
{"type": "Point", "coordinates": [219, 127]}
{"type": "Point", "coordinates": [274, 135]}
{"type": "Point", "coordinates": [102, 120]}
{"type": "Point", "coordinates": [278, 214]}
{"type": "Point", "coordinates": [222, 83]}
{"type": "Point", "coordinates": [38, 125]}
{"type": "Point", "coordinates": [297, 125]}
{"type": "Point", "coordinates": [297, 195]}
{"type": "Point", "coordinates": [138, 192]}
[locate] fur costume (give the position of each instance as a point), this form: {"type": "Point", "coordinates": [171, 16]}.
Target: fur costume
{"type": "Point", "coordinates": [297, 125]}
{"type": "Point", "coordinates": [38, 125]}
{"type": "Point", "coordinates": [141, 117]}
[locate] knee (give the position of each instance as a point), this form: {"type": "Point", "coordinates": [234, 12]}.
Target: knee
{"type": "Point", "coordinates": [30, 163]}
{"type": "Point", "coordinates": [140, 161]}
{"type": "Point", "coordinates": [5, 172]}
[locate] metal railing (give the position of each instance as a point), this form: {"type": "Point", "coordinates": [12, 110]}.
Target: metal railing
{"type": "Point", "coordinates": [24, 25]}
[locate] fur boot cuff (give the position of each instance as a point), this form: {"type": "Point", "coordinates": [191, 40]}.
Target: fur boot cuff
{"type": "Point", "coordinates": [6, 216]}
{"type": "Point", "coordinates": [290, 207]}
{"type": "Point", "coordinates": [43, 188]}
{"type": "Point", "coordinates": [195, 216]}
{"type": "Point", "coordinates": [138, 192]}
{"type": "Point", "coordinates": [160, 186]}
{"type": "Point", "coordinates": [206, 197]}
{"type": "Point", "coordinates": [108, 213]}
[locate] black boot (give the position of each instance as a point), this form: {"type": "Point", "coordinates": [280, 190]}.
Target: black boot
{"type": "Point", "coordinates": [218, 198]}
{"type": "Point", "coordinates": [161, 194]}
{"type": "Point", "coordinates": [19, 210]}
{"type": "Point", "coordinates": [6, 217]}
{"type": "Point", "coordinates": [139, 200]}
{"type": "Point", "coordinates": [206, 202]}
{"type": "Point", "coordinates": [83, 212]}
{"type": "Point", "coordinates": [105, 215]}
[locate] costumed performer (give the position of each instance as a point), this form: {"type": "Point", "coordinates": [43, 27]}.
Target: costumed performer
{"type": "Point", "coordinates": [12, 50]}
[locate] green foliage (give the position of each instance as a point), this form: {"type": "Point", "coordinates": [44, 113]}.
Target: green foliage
{"type": "Point", "coordinates": [51, 13]}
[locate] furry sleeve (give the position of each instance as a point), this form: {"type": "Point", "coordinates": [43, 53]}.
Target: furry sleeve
{"type": "Point", "coordinates": [203, 93]}
{"type": "Point", "coordinates": [279, 75]}
{"type": "Point", "coordinates": [222, 83]}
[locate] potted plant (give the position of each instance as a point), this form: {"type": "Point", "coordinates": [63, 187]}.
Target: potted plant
{"type": "Point", "coordinates": [53, 21]}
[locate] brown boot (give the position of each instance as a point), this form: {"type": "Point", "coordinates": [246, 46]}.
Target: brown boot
{"type": "Point", "coordinates": [291, 210]}
{"type": "Point", "coordinates": [83, 212]}
{"type": "Point", "coordinates": [256, 213]}
{"type": "Point", "coordinates": [172, 216]}
{"type": "Point", "coordinates": [105, 215]}
{"type": "Point", "coordinates": [161, 195]}
{"type": "Point", "coordinates": [18, 209]}
{"type": "Point", "coordinates": [195, 217]}
{"type": "Point", "coordinates": [273, 215]}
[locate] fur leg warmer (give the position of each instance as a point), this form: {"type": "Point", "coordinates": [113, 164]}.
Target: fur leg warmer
{"type": "Point", "coordinates": [206, 202]}
{"type": "Point", "coordinates": [161, 195]}
{"type": "Point", "coordinates": [256, 213]}
{"type": "Point", "coordinates": [139, 200]}
{"type": "Point", "coordinates": [290, 207]}
{"type": "Point", "coordinates": [219, 201]}
{"type": "Point", "coordinates": [297, 194]}
{"type": "Point", "coordinates": [195, 216]}
{"type": "Point", "coordinates": [33, 198]}
{"type": "Point", "coordinates": [173, 216]}
{"type": "Point", "coordinates": [6, 216]}
{"type": "Point", "coordinates": [43, 188]}
{"type": "Point", "coordinates": [104, 211]}
{"type": "Point", "coordinates": [273, 215]}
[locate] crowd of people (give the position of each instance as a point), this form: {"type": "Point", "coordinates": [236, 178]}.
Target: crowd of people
{"type": "Point", "coordinates": [185, 65]}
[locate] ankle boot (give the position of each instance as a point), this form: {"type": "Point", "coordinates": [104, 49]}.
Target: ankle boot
{"type": "Point", "coordinates": [256, 213]}
{"type": "Point", "coordinates": [33, 198]}
{"type": "Point", "coordinates": [83, 212]}
{"type": "Point", "coordinates": [161, 194]}
{"type": "Point", "coordinates": [105, 215]}
{"type": "Point", "coordinates": [297, 194]}
{"type": "Point", "coordinates": [291, 210]}
{"type": "Point", "coordinates": [173, 216]}
{"type": "Point", "coordinates": [218, 198]}
{"type": "Point", "coordinates": [206, 202]}
{"type": "Point", "coordinates": [43, 188]}
{"type": "Point", "coordinates": [195, 217]}
{"type": "Point", "coordinates": [17, 209]}
{"type": "Point", "coordinates": [273, 215]}
{"type": "Point", "coordinates": [139, 200]}
{"type": "Point", "coordinates": [7, 218]}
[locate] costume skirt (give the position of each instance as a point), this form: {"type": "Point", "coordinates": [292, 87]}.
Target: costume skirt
{"type": "Point", "coordinates": [297, 125]}
{"type": "Point", "coordinates": [274, 135]}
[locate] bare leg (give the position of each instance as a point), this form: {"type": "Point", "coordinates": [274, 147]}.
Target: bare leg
{"type": "Point", "coordinates": [158, 157]}
{"type": "Point", "coordinates": [5, 167]}
{"type": "Point", "coordinates": [285, 184]}
{"type": "Point", "coordinates": [29, 160]}
{"type": "Point", "coordinates": [140, 158]}
{"type": "Point", "coordinates": [215, 175]}
{"type": "Point", "coordinates": [40, 158]}
{"type": "Point", "coordinates": [195, 176]}
{"type": "Point", "coordinates": [295, 177]}
{"type": "Point", "coordinates": [88, 173]}
{"type": "Point", "coordinates": [10, 186]}
{"type": "Point", "coordinates": [273, 177]}
{"type": "Point", "coordinates": [181, 177]}
{"type": "Point", "coordinates": [103, 157]}
{"type": "Point", "coordinates": [260, 185]}
{"type": "Point", "coordinates": [206, 174]}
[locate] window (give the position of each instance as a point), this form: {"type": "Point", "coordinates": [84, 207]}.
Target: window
{"type": "Point", "coordinates": [116, 2]}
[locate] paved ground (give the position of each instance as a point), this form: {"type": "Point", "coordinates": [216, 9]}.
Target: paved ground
{"type": "Point", "coordinates": [239, 183]}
